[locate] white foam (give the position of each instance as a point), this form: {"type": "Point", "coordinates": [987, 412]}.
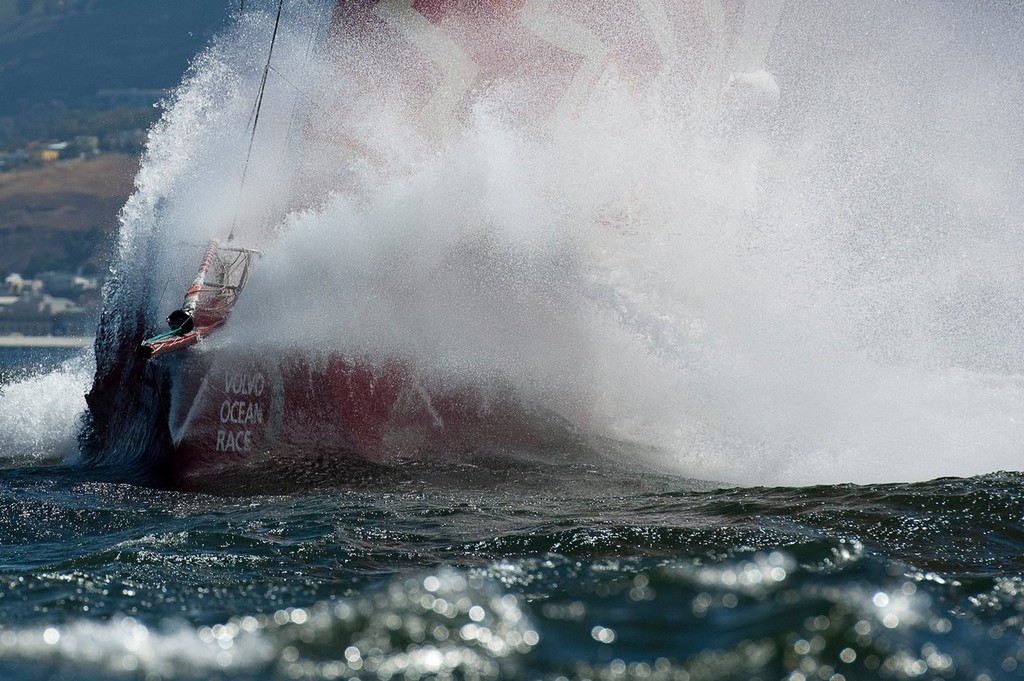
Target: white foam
{"type": "Point", "coordinates": [40, 414]}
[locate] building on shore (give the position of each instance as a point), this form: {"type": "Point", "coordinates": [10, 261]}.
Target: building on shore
{"type": "Point", "coordinates": [45, 315]}
{"type": "Point", "coordinates": [51, 304]}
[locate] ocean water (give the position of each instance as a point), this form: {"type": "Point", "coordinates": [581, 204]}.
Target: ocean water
{"type": "Point", "coordinates": [511, 565]}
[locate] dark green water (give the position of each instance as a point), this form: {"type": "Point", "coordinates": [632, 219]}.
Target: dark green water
{"type": "Point", "coordinates": [519, 565]}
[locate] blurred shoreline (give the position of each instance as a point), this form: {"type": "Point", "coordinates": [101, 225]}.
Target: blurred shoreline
{"type": "Point", "coordinates": [15, 341]}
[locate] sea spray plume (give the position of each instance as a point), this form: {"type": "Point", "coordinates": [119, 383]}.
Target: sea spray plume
{"type": "Point", "coordinates": [401, 97]}
{"type": "Point", "coordinates": [749, 252]}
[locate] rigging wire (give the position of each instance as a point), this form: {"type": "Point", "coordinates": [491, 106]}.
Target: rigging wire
{"type": "Point", "coordinates": [256, 115]}
{"type": "Point", "coordinates": [299, 114]}
{"type": "Point", "coordinates": [315, 36]}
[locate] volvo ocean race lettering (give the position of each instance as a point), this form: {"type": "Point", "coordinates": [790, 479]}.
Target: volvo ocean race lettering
{"type": "Point", "coordinates": [237, 411]}
{"type": "Point", "coordinates": [240, 383]}
{"type": "Point", "coordinates": [233, 441]}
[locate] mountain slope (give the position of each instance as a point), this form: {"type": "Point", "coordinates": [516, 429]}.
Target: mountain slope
{"type": "Point", "coordinates": [85, 54]}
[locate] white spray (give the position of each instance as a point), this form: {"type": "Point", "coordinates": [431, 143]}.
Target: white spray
{"type": "Point", "coordinates": [822, 291]}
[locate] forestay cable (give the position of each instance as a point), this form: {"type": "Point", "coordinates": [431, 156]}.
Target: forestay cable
{"type": "Point", "coordinates": [256, 117]}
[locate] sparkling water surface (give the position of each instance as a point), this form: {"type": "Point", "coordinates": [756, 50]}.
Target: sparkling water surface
{"type": "Point", "coordinates": [513, 564]}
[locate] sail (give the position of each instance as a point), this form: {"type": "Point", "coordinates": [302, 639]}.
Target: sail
{"type": "Point", "coordinates": [546, 58]}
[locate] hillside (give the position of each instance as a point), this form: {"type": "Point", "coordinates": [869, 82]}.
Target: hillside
{"type": "Point", "coordinates": [64, 214]}
{"type": "Point", "coordinates": [84, 67]}
{"type": "Point", "coordinates": [65, 58]}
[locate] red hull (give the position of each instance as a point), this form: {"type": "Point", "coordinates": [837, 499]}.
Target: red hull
{"type": "Point", "coordinates": [232, 409]}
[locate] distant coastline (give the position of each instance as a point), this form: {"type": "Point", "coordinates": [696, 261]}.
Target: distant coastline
{"type": "Point", "coordinates": [45, 341]}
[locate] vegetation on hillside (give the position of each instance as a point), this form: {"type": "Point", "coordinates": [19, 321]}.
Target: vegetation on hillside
{"type": "Point", "coordinates": [63, 215]}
